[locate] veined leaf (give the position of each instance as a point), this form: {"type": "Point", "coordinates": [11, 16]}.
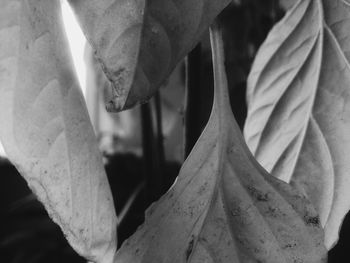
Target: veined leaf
{"type": "Point", "coordinates": [139, 42]}
{"type": "Point", "coordinates": [45, 128]}
{"type": "Point", "coordinates": [224, 207]}
{"type": "Point", "coordinates": [298, 106]}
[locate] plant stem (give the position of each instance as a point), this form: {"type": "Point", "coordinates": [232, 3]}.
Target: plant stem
{"type": "Point", "coordinates": [160, 136]}
{"type": "Point", "coordinates": [153, 175]}
{"type": "Point", "coordinates": [221, 93]}
{"type": "Point", "coordinates": [192, 99]}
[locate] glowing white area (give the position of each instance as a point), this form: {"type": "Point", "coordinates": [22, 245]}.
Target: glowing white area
{"type": "Point", "coordinates": [2, 152]}
{"type": "Point", "coordinates": [76, 41]}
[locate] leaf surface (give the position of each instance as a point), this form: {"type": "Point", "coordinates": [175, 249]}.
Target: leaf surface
{"type": "Point", "coordinates": [45, 129]}
{"type": "Point", "coordinates": [139, 42]}
{"type": "Point", "coordinates": [287, 4]}
{"type": "Point", "coordinates": [224, 207]}
{"type": "Point", "coordinates": [298, 106]}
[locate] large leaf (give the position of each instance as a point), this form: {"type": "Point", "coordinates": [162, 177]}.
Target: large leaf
{"type": "Point", "coordinates": [298, 106]}
{"type": "Point", "coordinates": [139, 42]}
{"type": "Point", "coordinates": [224, 207]}
{"type": "Point", "coordinates": [45, 128]}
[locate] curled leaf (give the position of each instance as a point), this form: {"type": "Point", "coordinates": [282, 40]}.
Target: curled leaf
{"type": "Point", "coordinates": [45, 128]}
{"type": "Point", "coordinates": [298, 106]}
{"type": "Point", "coordinates": [139, 42]}
{"type": "Point", "coordinates": [224, 207]}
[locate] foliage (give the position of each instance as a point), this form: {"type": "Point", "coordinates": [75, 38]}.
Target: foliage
{"type": "Point", "coordinates": [227, 207]}
{"type": "Point", "coordinates": [298, 118]}
{"type": "Point", "coordinates": [224, 206]}
{"type": "Point", "coordinates": [46, 130]}
{"type": "Point", "coordinates": [138, 43]}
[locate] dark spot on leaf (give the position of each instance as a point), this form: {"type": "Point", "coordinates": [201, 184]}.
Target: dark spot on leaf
{"type": "Point", "coordinates": [312, 220]}
{"type": "Point", "coordinates": [235, 211]}
{"type": "Point", "coordinates": [259, 196]}
{"type": "Point", "coordinates": [290, 245]}
{"type": "Point", "coordinates": [119, 72]}
{"type": "Point", "coordinates": [189, 248]}
{"type": "Point", "coordinates": [273, 212]}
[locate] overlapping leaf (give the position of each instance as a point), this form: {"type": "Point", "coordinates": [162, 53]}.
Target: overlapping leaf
{"type": "Point", "coordinates": [139, 42]}
{"type": "Point", "coordinates": [298, 106]}
{"type": "Point", "coordinates": [45, 128]}
{"type": "Point", "coordinates": [224, 207]}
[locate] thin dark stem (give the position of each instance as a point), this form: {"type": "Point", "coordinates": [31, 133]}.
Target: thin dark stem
{"type": "Point", "coordinates": [160, 137]}
{"type": "Point", "coordinates": [193, 102]}
{"type": "Point", "coordinates": [152, 171]}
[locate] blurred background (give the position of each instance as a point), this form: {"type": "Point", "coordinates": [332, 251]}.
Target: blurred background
{"type": "Point", "coordinates": [143, 148]}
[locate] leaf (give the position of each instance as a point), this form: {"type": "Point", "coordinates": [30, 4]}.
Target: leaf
{"type": "Point", "coordinates": [298, 106]}
{"type": "Point", "coordinates": [45, 128]}
{"type": "Point", "coordinates": [287, 4]}
{"type": "Point", "coordinates": [224, 207]}
{"type": "Point", "coordinates": [139, 42]}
